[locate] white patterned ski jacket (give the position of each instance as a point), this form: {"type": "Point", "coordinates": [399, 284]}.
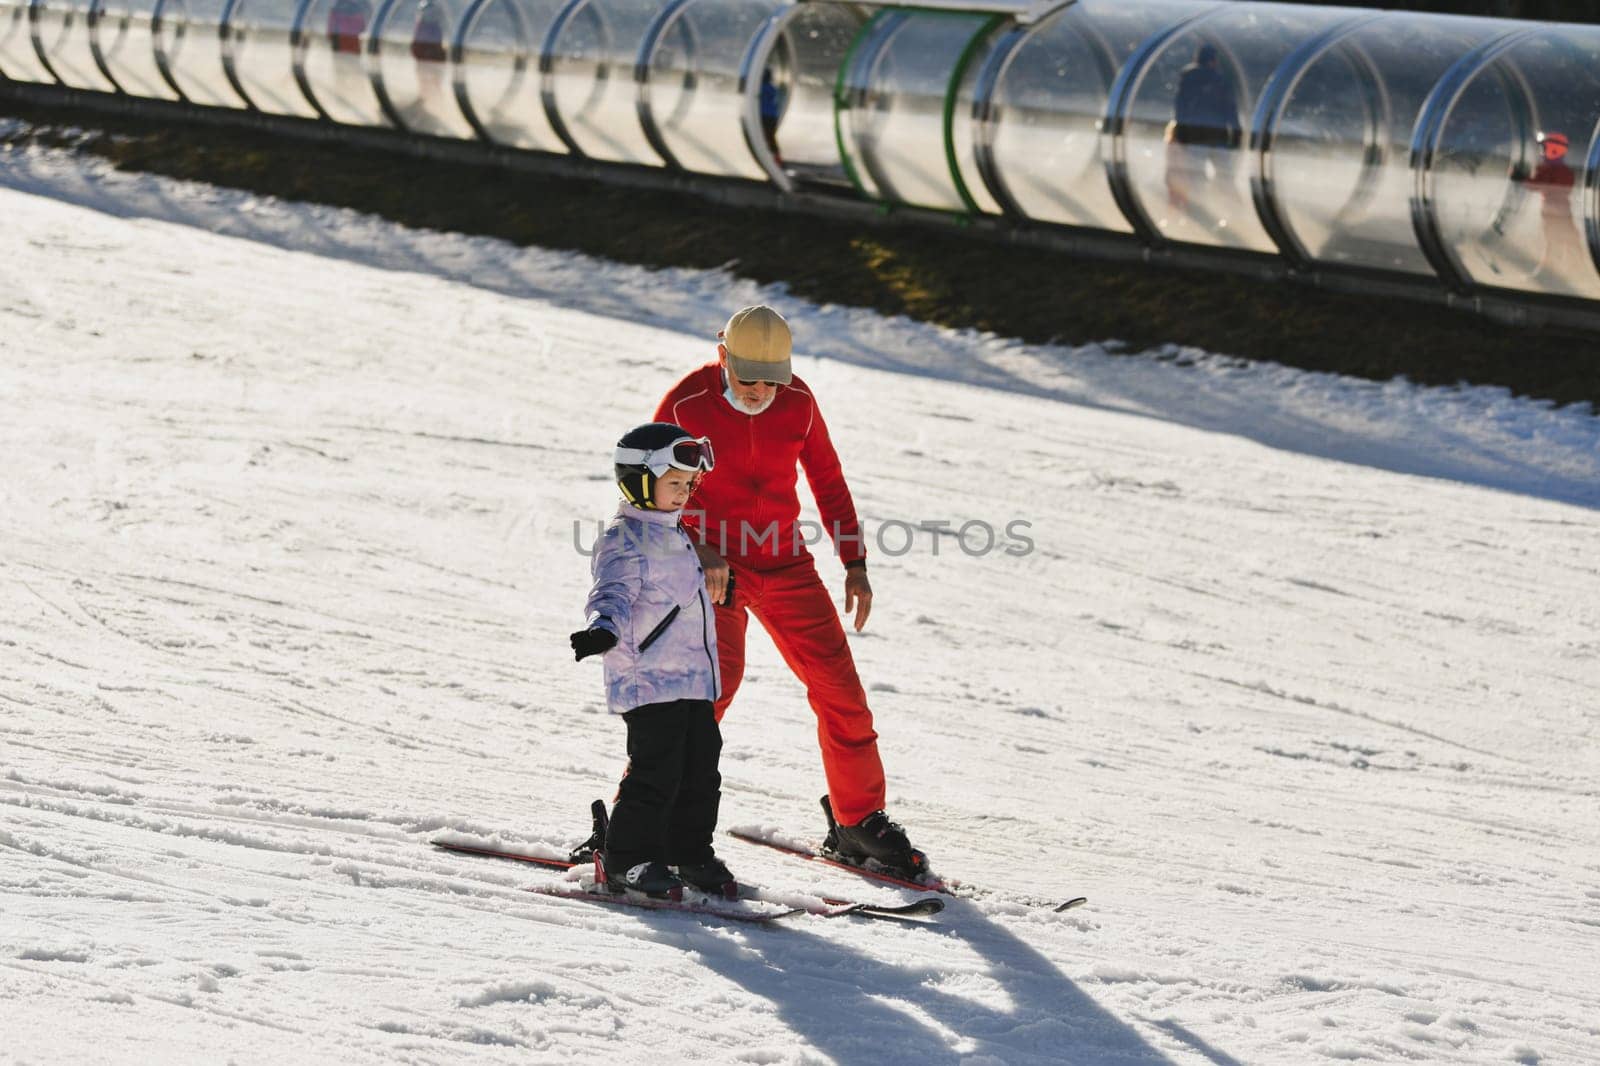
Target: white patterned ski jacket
{"type": "Point", "coordinates": [650, 590]}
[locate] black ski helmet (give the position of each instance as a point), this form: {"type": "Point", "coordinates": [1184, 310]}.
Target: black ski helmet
{"type": "Point", "coordinates": [646, 452]}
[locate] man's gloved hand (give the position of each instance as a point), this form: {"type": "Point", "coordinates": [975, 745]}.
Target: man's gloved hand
{"type": "Point", "coordinates": [593, 641]}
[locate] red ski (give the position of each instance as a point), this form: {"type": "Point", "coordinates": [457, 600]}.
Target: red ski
{"type": "Point", "coordinates": [933, 883]}
{"type": "Point", "coordinates": [793, 903]}
{"type": "Point", "coordinates": [727, 910]}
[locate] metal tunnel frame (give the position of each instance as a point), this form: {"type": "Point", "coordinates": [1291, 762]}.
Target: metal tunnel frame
{"type": "Point", "coordinates": [96, 17]}
{"type": "Point", "coordinates": [298, 45]}
{"type": "Point", "coordinates": [755, 60]}
{"type": "Point", "coordinates": [1591, 197]}
{"type": "Point", "coordinates": [1005, 47]}
{"type": "Point", "coordinates": [1439, 173]}
{"type": "Point", "coordinates": [519, 66]}
{"type": "Point", "coordinates": [230, 34]}
{"type": "Point", "coordinates": [428, 94]}
{"type": "Point", "coordinates": [547, 61]}
{"type": "Point", "coordinates": [39, 50]}
{"type": "Point", "coordinates": [858, 82]}
{"type": "Point", "coordinates": [380, 22]}
{"type": "Point", "coordinates": [829, 32]}
{"type": "Point", "coordinates": [1425, 148]}
{"type": "Point", "coordinates": [641, 76]}
{"type": "Point", "coordinates": [1268, 114]}
{"type": "Point", "coordinates": [1008, 39]}
{"type": "Point", "coordinates": [163, 64]}
{"type": "Point", "coordinates": [1114, 135]}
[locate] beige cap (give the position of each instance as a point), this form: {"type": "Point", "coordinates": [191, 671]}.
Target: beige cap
{"type": "Point", "coordinates": [758, 343]}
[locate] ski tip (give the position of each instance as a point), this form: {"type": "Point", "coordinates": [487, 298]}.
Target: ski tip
{"type": "Point", "coordinates": [460, 849]}
{"type": "Point", "coordinates": [910, 913]}
{"type": "Point", "coordinates": [1072, 904]}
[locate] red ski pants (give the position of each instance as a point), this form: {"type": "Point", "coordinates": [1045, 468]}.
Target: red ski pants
{"type": "Point", "coordinates": [794, 607]}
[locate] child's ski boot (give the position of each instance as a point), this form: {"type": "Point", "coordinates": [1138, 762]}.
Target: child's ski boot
{"type": "Point", "coordinates": [711, 877]}
{"type": "Point", "coordinates": [653, 879]}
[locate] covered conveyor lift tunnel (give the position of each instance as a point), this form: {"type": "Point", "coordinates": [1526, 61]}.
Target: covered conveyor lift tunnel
{"type": "Point", "coordinates": [1385, 148]}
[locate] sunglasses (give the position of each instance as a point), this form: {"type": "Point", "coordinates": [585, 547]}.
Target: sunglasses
{"type": "Point", "coordinates": [751, 384]}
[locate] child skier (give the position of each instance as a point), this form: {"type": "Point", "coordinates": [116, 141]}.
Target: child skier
{"type": "Point", "coordinates": [650, 615]}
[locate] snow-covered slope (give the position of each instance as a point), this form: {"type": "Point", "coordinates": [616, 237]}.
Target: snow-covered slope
{"type": "Point", "coordinates": [289, 562]}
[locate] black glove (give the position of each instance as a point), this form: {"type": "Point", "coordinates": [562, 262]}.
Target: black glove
{"type": "Point", "coordinates": [595, 641]}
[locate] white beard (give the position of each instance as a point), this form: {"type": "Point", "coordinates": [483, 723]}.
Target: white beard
{"type": "Point", "coordinates": [740, 405]}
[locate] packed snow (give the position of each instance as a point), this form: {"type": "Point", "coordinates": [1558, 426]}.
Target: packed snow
{"type": "Point", "coordinates": [1294, 676]}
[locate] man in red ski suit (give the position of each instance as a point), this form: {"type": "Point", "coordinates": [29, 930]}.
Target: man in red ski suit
{"type": "Point", "coordinates": [763, 422]}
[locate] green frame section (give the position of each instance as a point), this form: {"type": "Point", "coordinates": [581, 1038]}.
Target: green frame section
{"type": "Point", "coordinates": [984, 33]}
{"type": "Point", "coordinates": [841, 99]}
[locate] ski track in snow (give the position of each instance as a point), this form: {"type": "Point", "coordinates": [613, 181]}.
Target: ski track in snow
{"type": "Point", "coordinates": [289, 517]}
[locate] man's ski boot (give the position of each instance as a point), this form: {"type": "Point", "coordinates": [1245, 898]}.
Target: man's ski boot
{"type": "Point", "coordinates": [711, 877]}
{"type": "Point", "coordinates": [874, 843]}
{"type": "Point", "coordinates": [653, 879]}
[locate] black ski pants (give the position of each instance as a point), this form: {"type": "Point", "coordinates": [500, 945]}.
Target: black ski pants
{"type": "Point", "coordinates": [666, 809]}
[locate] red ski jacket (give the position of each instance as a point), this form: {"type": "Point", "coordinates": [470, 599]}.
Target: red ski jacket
{"type": "Point", "coordinates": [748, 507]}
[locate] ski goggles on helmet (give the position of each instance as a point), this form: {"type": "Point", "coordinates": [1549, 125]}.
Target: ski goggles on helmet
{"type": "Point", "coordinates": [685, 453]}
{"type": "Point", "coordinates": [1555, 144]}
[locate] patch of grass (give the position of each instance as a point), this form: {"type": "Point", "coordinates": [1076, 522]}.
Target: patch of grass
{"type": "Point", "coordinates": [935, 275]}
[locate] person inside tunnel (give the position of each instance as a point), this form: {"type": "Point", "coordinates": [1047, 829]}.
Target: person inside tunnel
{"type": "Point", "coordinates": [1553, 179]}
{"type": "Point", "coordinates": [427, 48]}
{"type": "Point", "coordinates": [347, 23]}
{"type": "Point", "coordinates": [1202, 137]}
{"type": "Point", "coordinates": [772, 103]}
